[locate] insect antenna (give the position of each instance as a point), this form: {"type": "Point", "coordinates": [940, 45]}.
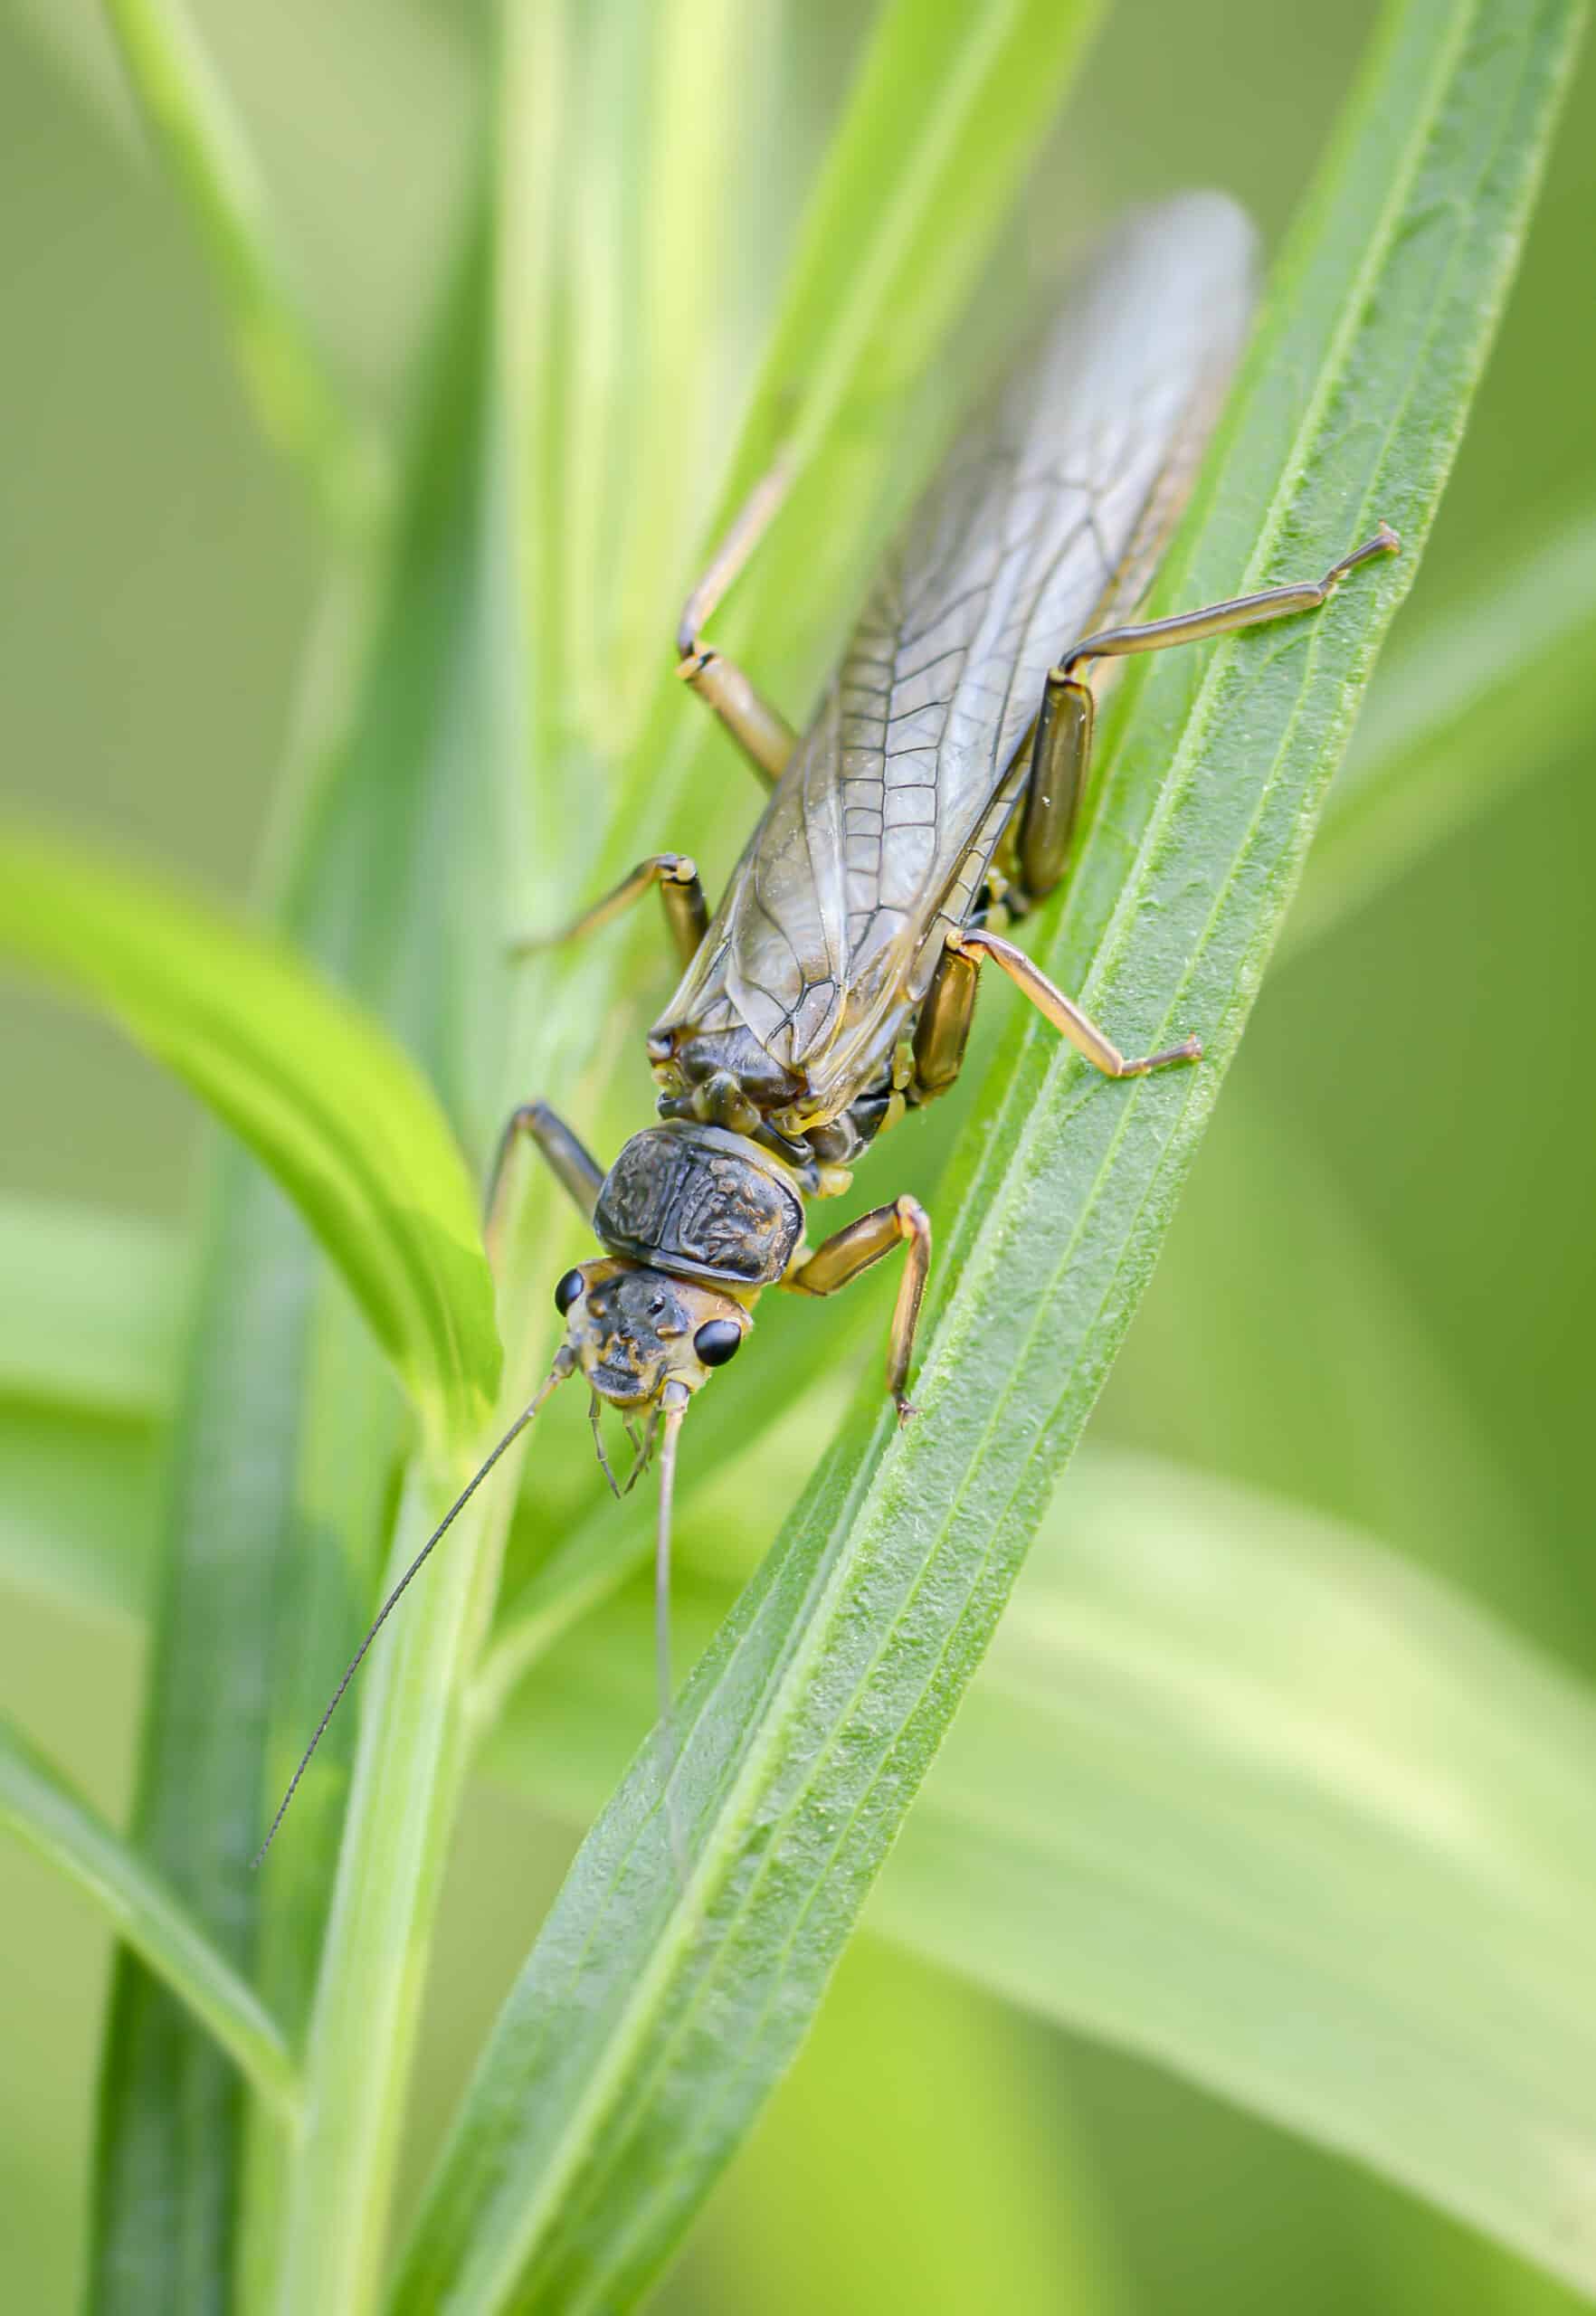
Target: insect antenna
{"type": "Point", "coordinates": [674, 1410]}
{"type": "Point", "coordinates": [557, 1374]}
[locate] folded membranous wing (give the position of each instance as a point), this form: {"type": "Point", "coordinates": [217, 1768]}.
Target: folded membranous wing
{"type": "Point", "coordinates": [1046, 522]}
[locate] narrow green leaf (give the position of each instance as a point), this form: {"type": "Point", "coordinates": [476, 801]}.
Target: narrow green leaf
{"type": "Point", "coordinates": [606, 361]}
{"type": "Point", "coordinates": [318, 1091]}
{"type": "Point", "coordinates": [350, 1922]}
{"type": "Point", "coordinates": [203, 145]}
{"type": "Point", "coordinates": [1248, 1795]}
{"type": "Point", "coordinates": [1497, 687]}
{"type": "Point", "coordinates": [959, 96]}
{"type": "Point", "coordinates": [947, 109]}
{"type": "Point", "coordinates": [166, 2198]}
{"type": "Point", "coordinates": [90, 1315]}
{"type": "Point", "coordinates": [387, 871]}
{"type": "Point", "coordinates": [654, 2013]}
{"type": "Point", "coordinates": [43, 1809]}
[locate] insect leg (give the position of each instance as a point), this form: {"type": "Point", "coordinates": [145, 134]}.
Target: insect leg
{"type": "Point", "coordinates": [573, 1165]}
{"type": "Point", "coordinates": [1082, 1034]}
{"type": "Point", "coordinates": [765, 737]}
{"type": "Point", "coordinates": [1240, 611]}
{"type": "Point", "coordinates": [687, 913]}
{"type": "Point", "coordinates": [1060, 754]}
{"type": "Point", "coordinates": [839, 1259]}
{"type": "Point", "coordinates": [1061, 749]}
{"type": "Point", "coordinates": [943, 1030]}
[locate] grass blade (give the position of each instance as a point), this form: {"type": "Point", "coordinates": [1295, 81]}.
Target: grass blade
{"type": "Point", "coordinates": [1242, 1792]}
{"type": "Point", "coordinates": [887, 258]}
{"type": "Point", "coordinates": [300, 408]}
{"type": "Point", "coordinates": [652, 2017]}
{"type": "Point", "coordinates": [41, 1808]}
{"type": "Point", "coordinates": [341, 1117]}
{"type": "Point", "coordinates": [947, 108]}
{"type": "Point", "coordinates": [288, 1430]}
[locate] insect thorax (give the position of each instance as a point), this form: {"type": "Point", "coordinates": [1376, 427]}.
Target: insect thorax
{"type": "Point", "coordinates": [725, 1077]}
{"type": "Point", "coordinates": [701, 1202]}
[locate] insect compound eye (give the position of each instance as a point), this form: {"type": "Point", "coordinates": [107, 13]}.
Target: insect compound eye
{"type": "Point", "coordinates": [568, 1291]}
{"type": "Point", "coordinates": [716, 1341]}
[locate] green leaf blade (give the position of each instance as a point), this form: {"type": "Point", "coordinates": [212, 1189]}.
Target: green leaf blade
{"type": "Point", "coordinates": [289, 1430]}
{"type": "Point", "coordinates": [649, 2023]}
{"type": "Point", "coordinates": [298, 404]}
{"type": "Point", "coordinates": [42, 1810]}
{"type": "Point", "coordinates": [949, 106]}
{"type": "Point", "coordinates": [1244, 1792]}
{"type": "Point", "coordinates": [316, 1089]}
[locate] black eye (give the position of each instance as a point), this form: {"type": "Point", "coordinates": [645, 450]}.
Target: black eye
{"type": "Point", "coordinates": [568, 1291]}
{"type": "Point", "coordinates": [716, 1341]}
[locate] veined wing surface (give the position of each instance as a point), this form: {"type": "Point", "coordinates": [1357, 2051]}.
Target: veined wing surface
{"type": "Point", "coordinates": [1046, 521]}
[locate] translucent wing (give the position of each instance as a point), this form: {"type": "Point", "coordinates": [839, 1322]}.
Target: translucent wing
{"type": "Point", "coordinates": [1046, 522]}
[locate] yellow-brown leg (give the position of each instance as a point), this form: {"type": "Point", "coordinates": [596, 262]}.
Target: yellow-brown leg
{"type": "Point", "coordinates": [943, 1030]}
{"type": "Point", "coordinates": [572, 1164]}
{"type": "Point", "coordinates": [764, 735]}
{"type": "Point", "coordinates": [1060, 756]}
{"type": "Point", "coordinates": [1062, 748]}
{"type": "Point", "coordinates": [687, 911]}
{"type": "Point", "coordinates": [849, 1252]}
{"type": "Point", "coordinates": [1240, 610]}
{"type": "Point", "coordinates": [1082, 1032]}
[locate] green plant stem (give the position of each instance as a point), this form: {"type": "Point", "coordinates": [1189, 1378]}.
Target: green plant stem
{"type": "Point", "coordinates": [40, 1806]}
{"type": "Point", "coordinates": [297, 403]}
{"type": "Point", "coordinates": [408, 1775]}
{"type": "Point", "coordinates": [363, 2027]}
{"type": "Point", "coordinates": [288, 1433]}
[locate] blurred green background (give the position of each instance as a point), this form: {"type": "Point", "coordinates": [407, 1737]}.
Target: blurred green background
{"type": "Point", "coordinates": [1376, 1298]}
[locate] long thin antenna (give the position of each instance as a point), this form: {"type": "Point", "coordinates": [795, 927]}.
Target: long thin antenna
{"type": "Point", "coordinates": [673, 1414]}
{"type": "Point", "coordinates": [557, 1374]}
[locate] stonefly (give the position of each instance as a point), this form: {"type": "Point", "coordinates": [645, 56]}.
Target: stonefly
{"type": "Point", "coordinates": [930, 804]}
